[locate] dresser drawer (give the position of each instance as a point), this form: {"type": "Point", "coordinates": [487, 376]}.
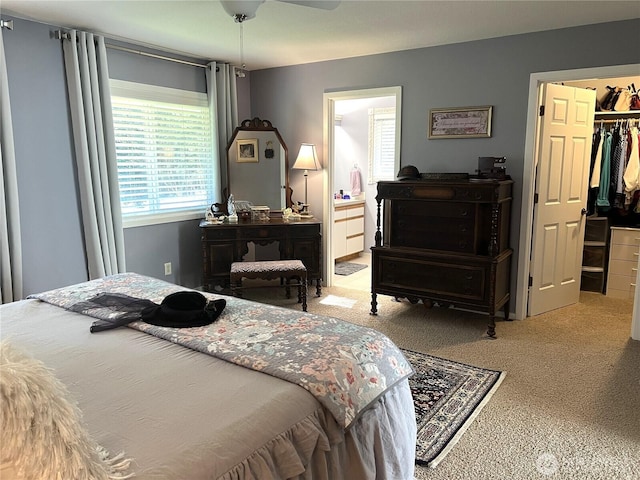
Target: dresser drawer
{"type": "Point", "coordinates": [413, 208]}
{"type": "Point", "coordinates": [623, 267]}
{"type": "Point", "coordinates": [432, 278]}
{"type": "Point", "coordinates": [467, 193]}
{"type": "Point", "coordinates": [339, 214]}
{"type": "Point", "coordinates": [624, 252]}
{"type": "Point", "coordinates": [355, 226]}
{"type": "Point", "coordinates": [620, 282]}
{"type": "Point", "coordinates": [623, 294]}
{"type": "Point", "coordinates": [624, 236]}
{"type": "Point", "coordinates": [355, 212]}
{"type": "Point", "coordinates": [266, 232]}
{"type": "Point", "coordinates": [215, 233]}
{"type": "Point", "coordinates": [454, 235]}
{"type": "Point", "coordinates": [355, 244]}
{"type": "Point", "coordinates": [346, 213]}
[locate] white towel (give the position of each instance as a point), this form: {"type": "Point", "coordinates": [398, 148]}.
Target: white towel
{"type": "Point", "coordinates": [355, 183]}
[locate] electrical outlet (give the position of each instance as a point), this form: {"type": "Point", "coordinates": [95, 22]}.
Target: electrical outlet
{"type": "Point", "coordinates": [167, 268]}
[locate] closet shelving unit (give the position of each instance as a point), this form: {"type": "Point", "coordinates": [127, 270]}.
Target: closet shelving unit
{"type": "Point", "coordinates": [595, 258]}
{"type": "Point", "coordinates": [595, 254]}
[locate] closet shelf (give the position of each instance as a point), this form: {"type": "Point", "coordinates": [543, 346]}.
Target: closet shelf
{"type": "Point", "coordinates": [618, 114]}
{"type": "Point", "coordinates": [593, 269]}
{"type": "Point", "coordinates": [591, 243]}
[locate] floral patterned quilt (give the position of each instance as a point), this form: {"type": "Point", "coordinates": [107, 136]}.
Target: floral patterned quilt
{"type": "Point", "coordinates": [345, 366]}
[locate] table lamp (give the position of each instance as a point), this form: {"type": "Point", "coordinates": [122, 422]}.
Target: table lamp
{"type": "Point", "coordinates": [307, 160]}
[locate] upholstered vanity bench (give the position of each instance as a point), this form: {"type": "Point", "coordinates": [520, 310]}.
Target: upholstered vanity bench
{"type": "Point", "coordinates": [270, 270]}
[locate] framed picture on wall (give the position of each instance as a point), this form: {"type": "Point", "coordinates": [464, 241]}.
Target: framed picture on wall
{"type": "Point", "coordinates": [461, 122]}
{"type": "Point", "coordinates": [247, 150]}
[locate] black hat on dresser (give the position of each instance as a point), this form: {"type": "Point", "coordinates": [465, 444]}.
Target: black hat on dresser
{"type": "Point", "coordinates": [408, 172]}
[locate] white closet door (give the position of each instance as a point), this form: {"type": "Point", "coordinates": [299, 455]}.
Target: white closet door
{"type": "Point", "coordinates": [564, 154]}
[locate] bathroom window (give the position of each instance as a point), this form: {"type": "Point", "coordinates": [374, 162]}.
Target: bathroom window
{"type": "Point", "coordinates": [382, 144]}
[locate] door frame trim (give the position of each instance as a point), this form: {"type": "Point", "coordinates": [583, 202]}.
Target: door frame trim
{"type": "Point", "coordinates": [528, 171]}
{"type": "Point", "coordinates": [329, 99]}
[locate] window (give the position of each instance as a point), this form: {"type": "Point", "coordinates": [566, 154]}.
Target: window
{"type": "Point", "coordinates": [382, 144]}
{"type": "Point", "coordinates": [165, 153]}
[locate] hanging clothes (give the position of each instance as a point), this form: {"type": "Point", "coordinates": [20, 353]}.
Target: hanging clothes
{"type": "Point", "coordinates": [618, 159]}
{"type": "Point", "coordinates": [594, 176]}
{"type": "Point", "coordinates": [595, 145]}
{"type": "Point", "coordinates": [632, 172]}
{"type": "Point", "coordinates": [602, 200]}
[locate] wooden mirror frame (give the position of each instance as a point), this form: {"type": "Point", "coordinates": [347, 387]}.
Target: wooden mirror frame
{"type": "Point", "coordinates": [255, 125]}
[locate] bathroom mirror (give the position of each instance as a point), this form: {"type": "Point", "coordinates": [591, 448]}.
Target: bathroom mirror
{"type": "Point", "coordinates": [258, 165]}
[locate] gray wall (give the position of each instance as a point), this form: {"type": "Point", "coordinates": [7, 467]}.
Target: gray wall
{"type": "Point", "coordinates": [489, 72]}
{"type": "Point", "coordinates": [52, 240]}
{"type": "Point", "coordinates": [494, 72]}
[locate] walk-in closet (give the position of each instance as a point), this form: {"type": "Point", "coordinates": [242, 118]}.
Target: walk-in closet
{"type": "Point", "coordinates": [612, 233]}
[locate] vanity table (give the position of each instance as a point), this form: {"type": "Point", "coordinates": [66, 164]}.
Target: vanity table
{"type": "Point", "coordinates": [225, 243]}
{"type": "Point", "coordinates": [262, 181]}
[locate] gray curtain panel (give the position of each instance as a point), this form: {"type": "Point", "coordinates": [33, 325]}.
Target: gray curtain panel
{"type": "Point", "coordinates": [223, 105]}
{"type": "Point", "coordinates": [85, 59]}
{"type": "Point", "coordinates": [10, 239]}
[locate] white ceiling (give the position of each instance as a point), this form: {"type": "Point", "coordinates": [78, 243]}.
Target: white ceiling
{"type": "Point", "coordinates": [286, 34]}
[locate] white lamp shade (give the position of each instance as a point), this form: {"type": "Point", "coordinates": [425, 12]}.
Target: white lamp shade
{"type": "Point", "coordinates": [307, 158]}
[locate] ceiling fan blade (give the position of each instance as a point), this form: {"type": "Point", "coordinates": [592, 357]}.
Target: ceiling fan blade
{"type": "Point", "coordinates": [322, 4]}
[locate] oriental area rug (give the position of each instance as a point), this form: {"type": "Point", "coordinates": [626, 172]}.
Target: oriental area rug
{"type": "Point", "coordinates": [447, 396]}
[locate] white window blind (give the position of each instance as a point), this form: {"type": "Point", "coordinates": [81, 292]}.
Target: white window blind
{"type": "Point", "coordinates": [382, 146]}
{"type": "Point", "coordinates": [164, 151]}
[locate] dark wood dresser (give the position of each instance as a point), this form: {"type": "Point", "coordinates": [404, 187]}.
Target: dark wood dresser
{"type": "Point", "coordinates": [444, 242]}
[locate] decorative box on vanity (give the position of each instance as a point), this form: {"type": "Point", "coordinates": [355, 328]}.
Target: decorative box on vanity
{"type": "Point", "coordinates": [444, 242]}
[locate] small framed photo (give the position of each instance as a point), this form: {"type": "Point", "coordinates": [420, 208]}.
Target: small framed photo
{"type": "Point", "coordinates": [461, 122]}
{"type": "Point", "coordinates": [247, 150]}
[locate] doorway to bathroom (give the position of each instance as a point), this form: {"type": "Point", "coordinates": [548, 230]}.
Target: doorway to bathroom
{"type": "Point", "coordinates": [362, 141]}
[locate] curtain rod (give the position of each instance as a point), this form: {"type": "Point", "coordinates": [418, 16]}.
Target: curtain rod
{"type": "Point", "coordinates": [60, 34]}
{"type": "Point", "coordinates": [154, 55]}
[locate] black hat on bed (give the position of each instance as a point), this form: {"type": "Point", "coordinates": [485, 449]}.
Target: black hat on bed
{"type": "Point", "coordinates": [184, 309]}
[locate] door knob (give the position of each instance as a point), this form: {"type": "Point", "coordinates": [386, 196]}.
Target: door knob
{"type": "Point", "coordinates": [583, 212]}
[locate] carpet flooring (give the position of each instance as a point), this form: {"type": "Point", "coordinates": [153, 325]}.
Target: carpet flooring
{"type": "Point", "coordinates": [447, 397]}
{"type": "Point", "coordinates": [347, 268]}
{"type": "Point", "coordinates": [569, 406]}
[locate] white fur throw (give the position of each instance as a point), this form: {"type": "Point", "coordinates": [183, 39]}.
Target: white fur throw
{"type": "Point", "coordinates": [41, 433]}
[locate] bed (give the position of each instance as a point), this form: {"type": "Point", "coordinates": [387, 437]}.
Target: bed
{"type": "Point", "coordinates": [181, 406]}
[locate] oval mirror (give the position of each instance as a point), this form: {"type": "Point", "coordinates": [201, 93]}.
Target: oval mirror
{"type": "Point", "coordinates": [258, 165]}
